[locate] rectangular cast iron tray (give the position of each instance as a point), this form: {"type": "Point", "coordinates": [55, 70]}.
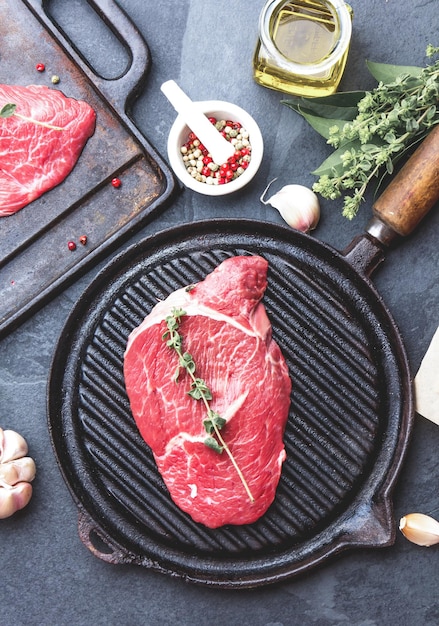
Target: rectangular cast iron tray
{"type": "Point", "coordinates": [35, 261]}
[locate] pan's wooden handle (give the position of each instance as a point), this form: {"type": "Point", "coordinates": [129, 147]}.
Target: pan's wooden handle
{"type": "Point", "coordinates": [414, 190]}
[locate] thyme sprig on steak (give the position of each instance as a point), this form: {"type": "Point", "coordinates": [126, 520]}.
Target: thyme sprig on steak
{"type": "Point", "coordinates": [199, 390]}
{"type": "Point", "coordinates": [8, 110]}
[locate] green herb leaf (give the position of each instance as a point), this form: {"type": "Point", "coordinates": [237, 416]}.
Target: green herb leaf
{"type": "Point", "coordinates": [211, 442]}
{"type": "Point", "coordinates": [174, 342]}
{"type": "Point", "coordinates": [387, 73]}
{"type": "Point", "coordinates": [214, 420]}
{"type": "Point", "coordinates": [187, 361]}
{"type": "Point", "coordinates": [322, 125]}
{"type": "Point", "coordinates": [199, 390]}
{"type": "Point", "coordinates": [333, 165]}
{"type": "Point", "coordinates": [342, 105]}
{"type": "Point", "coordinates": [176, 374]}
{"type": "Point", "coordinates": [8, 110]}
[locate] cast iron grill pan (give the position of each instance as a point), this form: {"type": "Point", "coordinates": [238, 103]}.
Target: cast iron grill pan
{"type": "Point", "coordinates": [351, 412]}
{"type": "Point", "coordinates": [348, 423]}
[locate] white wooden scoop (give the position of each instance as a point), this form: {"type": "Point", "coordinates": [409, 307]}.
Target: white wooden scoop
{"type": "Point", "coordinates": [220, 149]}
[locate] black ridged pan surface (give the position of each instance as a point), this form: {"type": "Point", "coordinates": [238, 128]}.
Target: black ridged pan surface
{"type": "Point", "coordinates": [348, 428]}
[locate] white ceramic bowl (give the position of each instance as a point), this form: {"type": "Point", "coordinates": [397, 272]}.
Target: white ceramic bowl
{"type": "Point", "coordinates": [221, 110]}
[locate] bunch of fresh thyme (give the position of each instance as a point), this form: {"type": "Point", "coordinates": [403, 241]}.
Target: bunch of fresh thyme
{"type": "Point", "coordinates": [370, 131]}
{"type": "Point", "coordinates": [199, 390]}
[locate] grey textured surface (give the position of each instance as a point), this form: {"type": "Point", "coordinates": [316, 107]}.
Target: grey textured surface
{"type": "Point", "coordinates": [47, 576]}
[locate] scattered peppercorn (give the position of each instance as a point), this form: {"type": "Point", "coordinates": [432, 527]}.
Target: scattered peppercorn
{"type": "Point", "coordinates": [71, 245]}
{"type": "Point", "coordinates": [83, 239]}
{"type": "Point", "coordinates": [40, 67]}
{"type": "Point", "coordinates": [116, 182]}
{"type": "Point", "coordinates": [200, 164]}
{"type": "Point", "coordinates": [55, 79]}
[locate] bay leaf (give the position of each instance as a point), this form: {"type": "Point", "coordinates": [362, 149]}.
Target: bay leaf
{"type": "Point", "coordinates": [334, 163]}
{"type": "Point", "coordinates": [341, 105]}
{"type": "Point", "coordinates": [387, 73]}
{"type": "Point", "coordinates": [322, 124]}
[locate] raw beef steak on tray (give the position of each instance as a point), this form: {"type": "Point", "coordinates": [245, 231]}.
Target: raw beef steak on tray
{"type": "Point", "coordinates": [41, 139]}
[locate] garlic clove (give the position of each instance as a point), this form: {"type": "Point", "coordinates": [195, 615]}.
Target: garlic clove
{"type": "Point", "coordinates": [420, 529]}
{"type": "Point", "coordinates": [298, 205]}
{"type": "Point", "coordinates": [14, 499]}
{"type": "Point", "coordinates": [17, 471]}
{"type": "Point", "coordinates": [12, 446]}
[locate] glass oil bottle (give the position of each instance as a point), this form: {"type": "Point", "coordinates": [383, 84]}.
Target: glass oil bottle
{"type": "Point", "coordinates": [303, 46]}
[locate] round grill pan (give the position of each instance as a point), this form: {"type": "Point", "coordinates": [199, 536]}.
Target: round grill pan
{"type": "Point", "coordinates": [348, 428]}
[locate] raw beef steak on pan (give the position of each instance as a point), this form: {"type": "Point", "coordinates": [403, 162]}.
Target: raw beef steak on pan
{"type": "Point", "coordinates": [226, 330]}
{"type": "Point", "coordinates": [34, 157]}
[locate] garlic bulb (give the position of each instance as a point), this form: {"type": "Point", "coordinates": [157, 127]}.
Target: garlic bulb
{"type": "Point", "coordinates": [420, 529]}
{"type": "Point", "coordinates": [298, 205]}
{"type": "Point", "coordinates": [17, 471]}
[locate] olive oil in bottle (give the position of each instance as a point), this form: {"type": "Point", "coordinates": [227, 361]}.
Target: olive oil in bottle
{"type": "Point", "coordinates": [303, 45]}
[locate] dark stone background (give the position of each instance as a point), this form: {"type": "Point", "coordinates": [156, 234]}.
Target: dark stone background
{"type": "Point", "coordinates": [47, 576]}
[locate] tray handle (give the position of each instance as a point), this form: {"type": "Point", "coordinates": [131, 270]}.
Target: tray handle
{"type": "Point", "coordinates": [117, 91]}
{"type": "Point", "coordinates": [99, 544]}
{"type": "Point", "coordinates": [120, 24]}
